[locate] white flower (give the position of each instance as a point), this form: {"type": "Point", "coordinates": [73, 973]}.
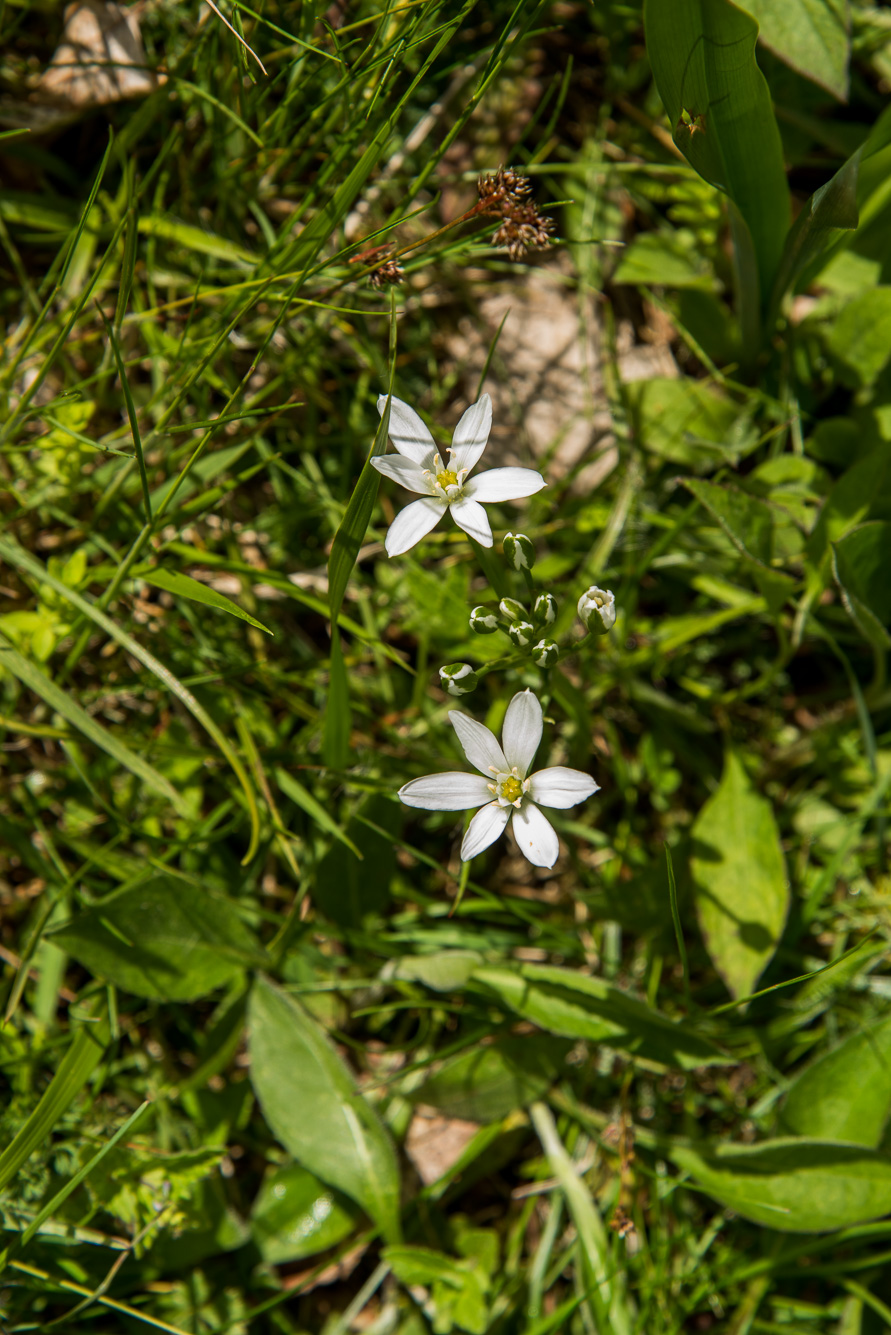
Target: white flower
{"type": "Point", "coordinates": [597, 610]}
{"type": "Point", "coordinates": [501, 790]}
{"type": "Point", "coordinates": [446, 485]}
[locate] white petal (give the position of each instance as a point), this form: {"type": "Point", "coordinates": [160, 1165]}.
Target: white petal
{"type": "Point", "coordinates": [483, 830]}
{"type": "Point", "coordinates": [479, 744]}
{"type": "Point", "coordinates": [412, 523]}
{"type": "Point", "coordinates": [561, 787]}
{"type": "Point", "coordinates": [403, 471]}
{"type": "Point", "coordinates": [535, 835]}
{"type": "Point", "coordinates": [473, 519]}
{"type": "Point", "coordinates": [504, 484]}
{"type": "Point", "coordinates": [408, 433]}
{"type": "Point", "coordinates": [471, 435]}
{"type": "Point", "coordinates": [521, 733]}
{"type": "Point", "coordinates": [446, 792]}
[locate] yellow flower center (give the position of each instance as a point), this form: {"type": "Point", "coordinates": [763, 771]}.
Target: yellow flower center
{"type": "Point", "coordinates": [447, 478]}
{"type": "Point", "coordinates": [511, 789]}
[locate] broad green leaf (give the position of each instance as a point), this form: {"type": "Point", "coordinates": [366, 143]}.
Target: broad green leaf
{"type": "Point", "coordinates": [860, 564]}
{"type": "Point", "coordinates": [662, 259]}
{"type": "Point", "coordinates": [813, 36]}
{"type": "Point", "coordinates": [828, 214]}
{"type": "Point", "coordinates": [742, 895]}
{"type": "Point", "coordinates": [163, 938]}
{"type": "Point", "coordinates": [458, 1288]}
{"type": "Point", "coordinates": [30, 675]}
{"type": "Point", "coordinates": [795, 1185]}
{"type": "Point", "coordinates": [703, 57]}
{"type": "Point", "coordinates": [75, 1069]}
{"type": "Point", "coordinates": [846, 1093]}
{"type": "Point", "coordinates": [747, 521]}
{"type": "Point", "coordinates": [184, 586]}
{"type": "Point", "coordinates": [347, 890]}
{"type": "Point", "coordinates": [486, 1083]}
{"type": "Point", "coordinates": [443, 971]}
{"type": "Point", "coordinates": [311, 1104]}
{"type": "Point", "coordinates": [860, 337]}
{"type": "Point", "coordinates": [577, 1005]}
{"type": "Point", "coordinates": [294, 1215]}
{"type": "Point", "coordinates": [684, 420]}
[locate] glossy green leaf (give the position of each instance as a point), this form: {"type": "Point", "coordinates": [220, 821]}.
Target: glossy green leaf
{"type": "Point", "coordinates": [163, 938]}
{"type": "Point", "coordinates": [739, 876]}
{"type": "Point", "coordinates": [74, 1070]}
{"type": "Point", "coordinates": [184, 586]}
{"type": "Point", "coordinates": [295, 1215]}
{"type": "Point", "coordinates": [486, 1083]}
{"type": "Point", "coordinates": [311, 1104]}
{"type": "Point", "coordinates": [846, 1093]}
{"type": "Point", "coordinates": [577, 1005]}
{"type": "Point", "coordinates": [30, 675]}
{"type": "Point", "coordinates": [795, 1185]}
{"type": "Point", "coordinates": [703, 57]}
{"type": "Point", "coordinates": [861, 568]}
{"type": "Point", "coordinates": [812, 36]}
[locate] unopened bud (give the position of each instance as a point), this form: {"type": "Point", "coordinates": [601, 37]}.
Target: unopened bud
{"type": "Point", "coordinates": [597, 610]}
{"type": "Point", "coordinates": [545, 653]}
{"type": "Point", "coordinates": [545, 610]}
{"type": "Point", "coordinates": [483, 621]}
{"type": "Point", "coordinates": [458, 678]}
{"type": "Point", "coordinates": [522, 633]}
{"type": "Point", "coordinates": [519, 551]}
{"type": "Point", "coordinates": [513, 610]}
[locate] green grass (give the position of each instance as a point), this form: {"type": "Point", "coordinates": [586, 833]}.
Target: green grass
{"type": "Point", "coordinates": [234, 964]}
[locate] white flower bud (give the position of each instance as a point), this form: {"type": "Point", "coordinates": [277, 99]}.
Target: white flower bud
{"type": "Point", "coordinates": [458, 678]}
{"type": "Point", "coordinates": [545, 610]}
{"type": "Point", "coordinates": [519, 551]}
{"type": "Point", "coordinates": [513, 610]}
{"type": "Point", "coordinates": [483, 621]}
{"type": "Point", "coordinates": [522, 633]}
{"type": "Point", "coordinates": [597, 610]}
{"type": "Point", "coordinates": [545, 653]}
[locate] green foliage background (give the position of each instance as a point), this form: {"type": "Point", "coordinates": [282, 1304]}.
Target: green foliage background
{"type": "Point", "coordinates": [242, 982]}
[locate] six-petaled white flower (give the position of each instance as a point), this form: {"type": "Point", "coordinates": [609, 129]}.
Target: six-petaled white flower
{"type": "Point", "coordinates": [501, 790]}
{"type": "Point", "coordinates": [443, 486]}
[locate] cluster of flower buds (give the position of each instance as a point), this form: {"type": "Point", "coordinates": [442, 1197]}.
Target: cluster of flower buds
{"type": "Point", "coordinates": [597, 610]}
{"type": "Point", "coordinates": [505, 194]}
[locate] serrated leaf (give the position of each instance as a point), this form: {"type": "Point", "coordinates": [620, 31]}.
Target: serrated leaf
{"type": "Point", "coordinates": [739, 876]}
{"type": "Point", "coordinates": [311, 1104]}
{"type": "Point", "coordinates": [577, 1005]}
{"type": "Point", "coordinates": [794, 1184]}
{"type": "Point", "coordinates": [162, 938]}
{"type": "Point", "coordinates": [846, 1093]}
{"type": "Point", "coordinates": [184, 586]}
